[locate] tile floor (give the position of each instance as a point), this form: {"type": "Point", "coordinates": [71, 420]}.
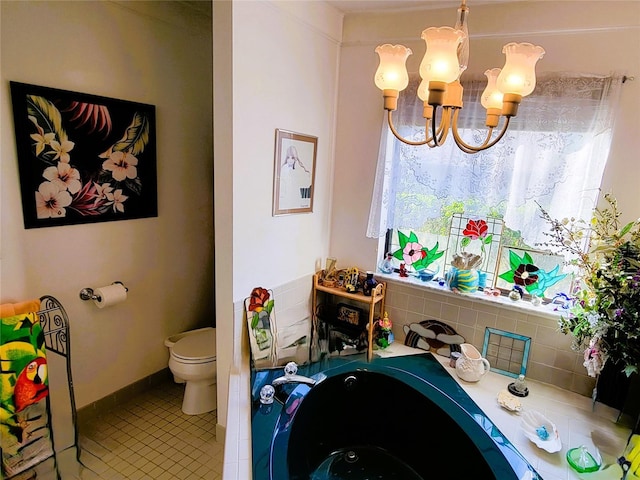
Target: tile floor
{"type": "Point", "coordinates": [150, 438]}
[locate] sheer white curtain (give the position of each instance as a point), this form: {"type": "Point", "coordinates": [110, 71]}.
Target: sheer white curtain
{"type": "Point", "coordinates": [554, 153]}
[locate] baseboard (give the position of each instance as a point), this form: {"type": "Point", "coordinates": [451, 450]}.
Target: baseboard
{"type": "Point", "coordinates": [220, 433]}
{"type": "Point", "coordinates": [110, 402]}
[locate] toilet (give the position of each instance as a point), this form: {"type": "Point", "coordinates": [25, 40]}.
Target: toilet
{"type": "Point", "coordinates": [192, 360]}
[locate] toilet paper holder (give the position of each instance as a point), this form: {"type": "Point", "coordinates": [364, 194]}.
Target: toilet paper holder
{"type": "Point", "coordinates": [87, 293]}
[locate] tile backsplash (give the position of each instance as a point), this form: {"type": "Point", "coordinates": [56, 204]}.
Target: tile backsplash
{"type": "Point", "coordinates": [551, 359]}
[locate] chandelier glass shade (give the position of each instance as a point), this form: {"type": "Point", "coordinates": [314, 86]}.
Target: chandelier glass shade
{"type": "Point", "coordinates": [445, 59]}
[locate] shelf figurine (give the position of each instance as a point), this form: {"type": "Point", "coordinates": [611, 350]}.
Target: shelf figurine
{"type": "Point", "coordinates": [384, 334]}
{"type": "Point", "coordinates": [403, 270]}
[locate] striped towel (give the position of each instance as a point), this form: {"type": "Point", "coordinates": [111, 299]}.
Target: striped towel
{"type": "Point", "coordinates": [25, 430]}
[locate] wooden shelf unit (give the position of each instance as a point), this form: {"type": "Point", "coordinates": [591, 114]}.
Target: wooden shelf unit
{"type": "Point", "coordinates": [376, 298]}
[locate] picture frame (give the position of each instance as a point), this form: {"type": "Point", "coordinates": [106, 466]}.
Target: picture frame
{"type": "Point", "coordinates": [350, 316]}
{"type": "Point", "coordinates": [83, 158]}
{"type": "Point", "coordinates": [294, 172]}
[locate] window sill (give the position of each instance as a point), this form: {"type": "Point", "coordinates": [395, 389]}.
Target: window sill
{"type": "Point", "coordinates": [553, 311]}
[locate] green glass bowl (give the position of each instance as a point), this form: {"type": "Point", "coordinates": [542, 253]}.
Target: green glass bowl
{"type": "Point", "coordinates": [581, 460]}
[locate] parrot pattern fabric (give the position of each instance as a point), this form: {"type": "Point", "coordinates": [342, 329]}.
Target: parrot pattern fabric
{"type": "Point", "coordinates": [25, 433]}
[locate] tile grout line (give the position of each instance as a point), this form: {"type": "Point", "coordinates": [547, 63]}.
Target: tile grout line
{"type": "Point", "coordinates": [150, 438]}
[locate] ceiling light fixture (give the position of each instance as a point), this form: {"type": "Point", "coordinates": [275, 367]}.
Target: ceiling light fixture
{"type": "Point", "coordinates": [445, 59]}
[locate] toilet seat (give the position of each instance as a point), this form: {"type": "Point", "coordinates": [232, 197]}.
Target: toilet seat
{"type": "Point", "coordinates": [196, 348]}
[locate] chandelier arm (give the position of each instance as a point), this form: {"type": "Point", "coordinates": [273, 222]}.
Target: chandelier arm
{"type": "Point", "coordinates": [430, 142]}
{"type": "Point", "coordinates": [434, 130]}
{"type": "Point", "coordinates": [442, 131]}
{"type": "Point", "coordinates": [445, 123]}
{"type": "Point", "coordinates": [465, 150]}
{"type": "Point", "coordinates": [443, 136]}
{"type": "Point", "coordinates": [461, 143]}
{"type": "Point", "coordinates": [486, 144]}
{"type": "Point", "coordinates": [398, 136]}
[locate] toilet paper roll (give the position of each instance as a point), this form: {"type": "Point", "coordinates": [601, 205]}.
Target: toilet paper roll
{"type": "Point", "coordinates": [110, 295]}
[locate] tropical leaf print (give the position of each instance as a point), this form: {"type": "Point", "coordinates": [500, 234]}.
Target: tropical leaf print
{"type": "Point", "coordinates": [135, 185]}
{"type": "Point", "coordinates": [47, 116]}
{"type": "Point", "coordinates": [97, 116]}
{"type": "Point", "coordinates": [135, 138]}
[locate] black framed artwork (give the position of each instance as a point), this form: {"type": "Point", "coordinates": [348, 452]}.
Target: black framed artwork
{"type": "Point", "coordinates": [83, 158]}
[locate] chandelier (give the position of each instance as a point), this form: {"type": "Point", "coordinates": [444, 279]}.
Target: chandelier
{"type": "Point", "coordinates": [445, 59]}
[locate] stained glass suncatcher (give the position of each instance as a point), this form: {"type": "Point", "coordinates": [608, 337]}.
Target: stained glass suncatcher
{"type": "Point", "coordinates": [507, 353]}
{"type": "Point", "coordinates": [537, 272]}
{"type": "Point", "coordinates": [477, 235]}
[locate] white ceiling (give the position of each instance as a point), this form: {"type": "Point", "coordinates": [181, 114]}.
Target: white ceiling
{"type": "Point", "coordinates": [203, 7]}
{"type": "Point", "coordinates": [352, 6]}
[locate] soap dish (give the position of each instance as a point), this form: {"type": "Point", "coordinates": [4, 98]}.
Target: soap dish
{"type": "Point", "coordinates": [509, 402]}
{"type": "Point", "coordinates": [541, 431]}
{"type": "Point", "coordinates": [581, 460]}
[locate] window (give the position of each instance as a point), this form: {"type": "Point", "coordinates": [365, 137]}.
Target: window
{"type": "Point", "coordinates": [553, 154]}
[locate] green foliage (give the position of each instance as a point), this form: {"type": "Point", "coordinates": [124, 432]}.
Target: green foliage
{"type": "Point", "coordinates": [440, 225]}
{"type": "Point", "coordinates": [605, 316]}
{"type": "Point", "coordinates": [513, 238]}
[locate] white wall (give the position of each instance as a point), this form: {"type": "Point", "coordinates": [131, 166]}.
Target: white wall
{"type": "Point", "coordinates": [149, 52]}
{"type": "Point", "coordinates": [223, 199]}
{"type": "Point", "coordinates": [593, 37]}
{"type": "Point", "coordinates": [285, 59]}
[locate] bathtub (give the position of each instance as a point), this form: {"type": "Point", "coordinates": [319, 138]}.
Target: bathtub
{"type": "Point", "coordinates": [401, 418]}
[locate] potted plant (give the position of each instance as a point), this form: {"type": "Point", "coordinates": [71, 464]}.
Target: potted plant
{"type": "Point", "coordinates": [604, 318]}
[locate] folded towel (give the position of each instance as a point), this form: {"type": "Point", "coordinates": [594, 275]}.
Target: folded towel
{"type": "Point", "coordinates": [25, 437]}
{"type": "Point", "coordinates": [12, 309]}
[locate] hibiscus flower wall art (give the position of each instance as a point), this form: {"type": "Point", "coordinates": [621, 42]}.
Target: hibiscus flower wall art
{"type": "Point", "coordinates": [83, 158]}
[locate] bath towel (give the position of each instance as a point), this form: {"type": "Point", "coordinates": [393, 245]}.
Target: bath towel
{"type": "Point", "coordinates": [12, 309]}
{"type": "Point", "coordinates": [25, 430]}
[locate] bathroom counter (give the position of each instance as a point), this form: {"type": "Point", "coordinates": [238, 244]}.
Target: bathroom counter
{"type": "Point", "coordinates": [572, 413]}
{"type": "Point", "coordinates": [574, 416]}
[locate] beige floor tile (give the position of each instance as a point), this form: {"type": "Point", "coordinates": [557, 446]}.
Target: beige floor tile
{"type": "Point", "coordinates": [149, 438]}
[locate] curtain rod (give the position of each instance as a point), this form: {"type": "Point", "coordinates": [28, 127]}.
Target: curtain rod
{"type": "Point", "coordinates": [625, 78]}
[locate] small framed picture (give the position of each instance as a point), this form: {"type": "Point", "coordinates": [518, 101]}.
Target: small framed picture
{"type": "Point", "coordinates": [294, 172]}
{"type": "Point", "coordinates": [350, 316]}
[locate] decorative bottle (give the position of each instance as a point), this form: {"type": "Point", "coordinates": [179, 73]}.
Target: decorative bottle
{"type": "Point", "coordinates": [369, 284]}
{"type": "Point", "coordinates": [386, 265]}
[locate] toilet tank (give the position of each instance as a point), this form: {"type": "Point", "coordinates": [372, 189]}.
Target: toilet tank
{"type": "Point", "coordinates": [171, 341]}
